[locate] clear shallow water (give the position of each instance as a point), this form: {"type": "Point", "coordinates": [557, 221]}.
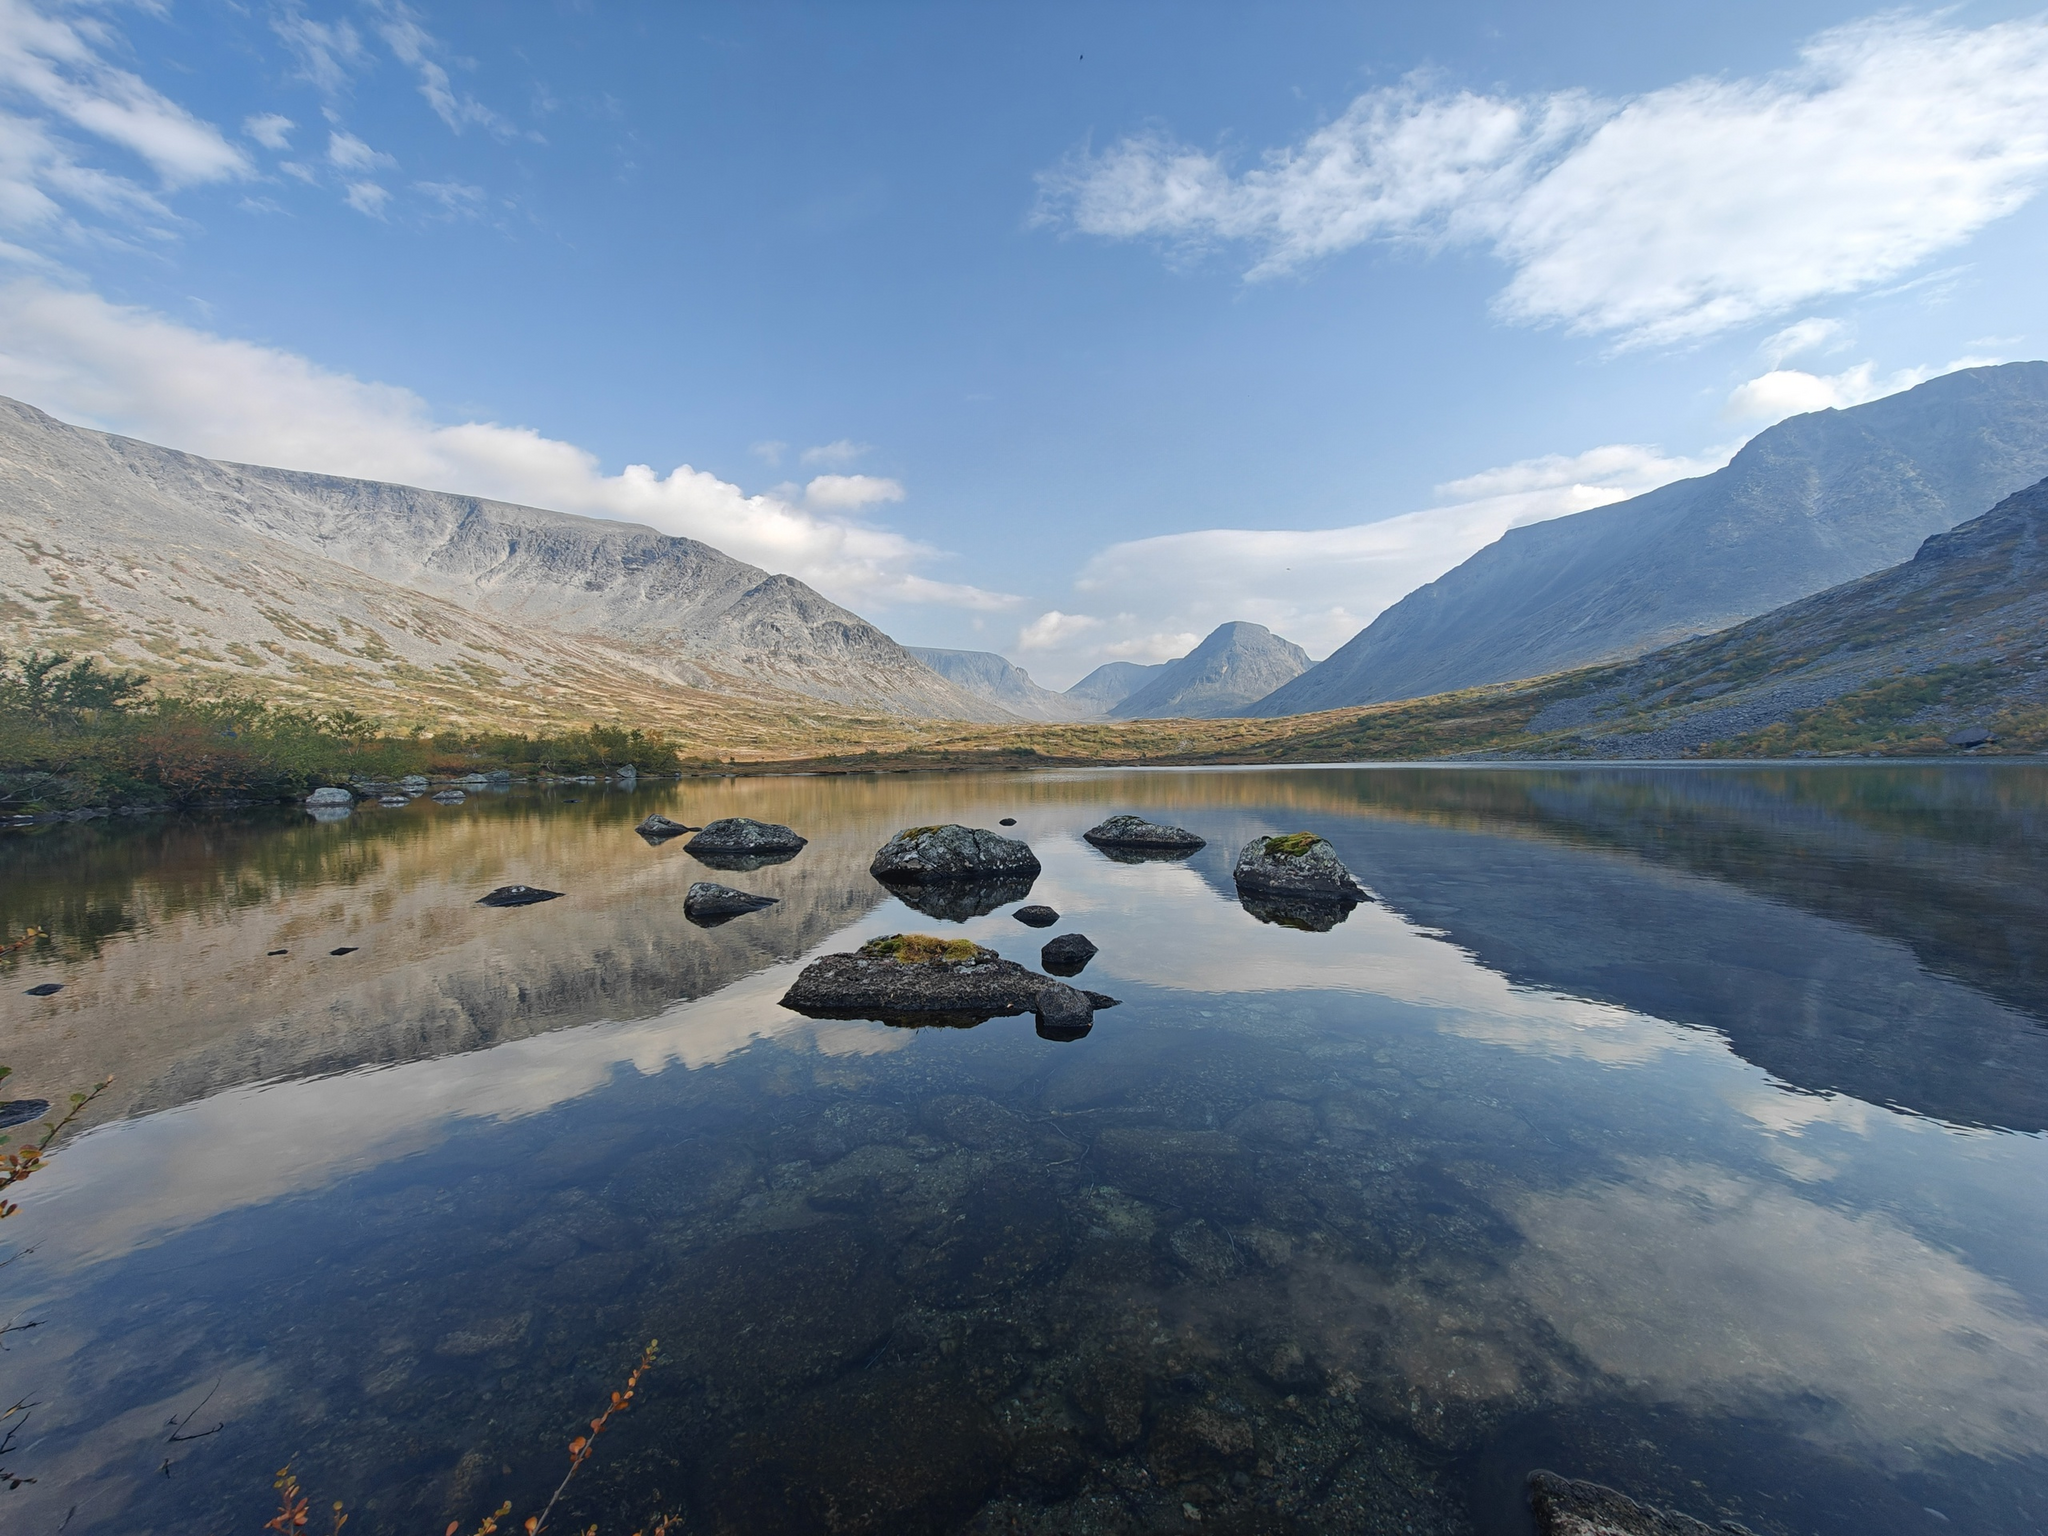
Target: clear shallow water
{"type": "Point", "coordinates": [1676, 1128]}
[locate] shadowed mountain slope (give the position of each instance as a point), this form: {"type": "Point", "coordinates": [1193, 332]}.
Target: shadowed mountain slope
{"type": "Point", "coordinates": [1236, 665]}
{"type": "Point", "coordinates": [157, 556]}
{"type": "Point", "coordinates": [1003, 683]}
{"type": "Point", "coordinates": [1113, 682]}
{"type": "Point", "coordinates": [1814, 501]}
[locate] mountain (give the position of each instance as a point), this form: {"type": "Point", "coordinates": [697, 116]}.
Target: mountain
{"type": "Point", "coordinates": [1237, 665]}
{"type": "Point", "coordinates": [183, 564]}
{"type": "Point", "coordinates": [1816, 500]}
{"type": "Point", "coordinates": [1113, 682]}
{"type": "Point", "coordinates": [1951, 638]}
{"type": "Point", "coordinates": [1004, 684]}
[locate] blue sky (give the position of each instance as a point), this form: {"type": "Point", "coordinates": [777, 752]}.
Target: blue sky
{"type": "Point", "coordinates": [1063, 331]}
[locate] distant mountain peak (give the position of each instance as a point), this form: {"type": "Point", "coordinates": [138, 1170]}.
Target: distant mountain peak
{"type": "Point", "coordinates": [1236, 665]}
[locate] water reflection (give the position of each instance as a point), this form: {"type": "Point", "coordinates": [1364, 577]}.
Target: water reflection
{"type": "Point", "coordinates": [1637, 1131]}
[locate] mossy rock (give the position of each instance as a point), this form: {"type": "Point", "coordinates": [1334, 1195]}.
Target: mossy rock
{"type": "Point", "coordinates": [926, 949]}
{"type": "Point", "coordinates": [1292, 845]}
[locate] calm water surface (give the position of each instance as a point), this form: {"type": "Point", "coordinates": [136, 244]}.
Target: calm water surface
{"type": "Point", "coordinates": [1681, 1129]}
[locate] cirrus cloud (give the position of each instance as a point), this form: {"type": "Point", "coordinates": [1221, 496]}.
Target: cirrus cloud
{"type": "Point", "coordinates": [1660, 218]}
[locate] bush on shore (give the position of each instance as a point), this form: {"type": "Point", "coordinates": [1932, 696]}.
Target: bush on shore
{"type": "Point", "coordinates": [73, 734]}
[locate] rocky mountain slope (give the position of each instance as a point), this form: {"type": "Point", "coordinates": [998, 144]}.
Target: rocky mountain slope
{"type": "Point", "coordinates": [1814, 501]}
{"type": "Point", "coordinates": [1003, 683]}
{"type": "Point", "coordinates": [329, 586]}
{"type": "Point", "coordinates": [1235, 666]}
{"type": "Point", "coordinates": [1956, 637]}
{"type": "Point", "coordinates": [1113, 682]}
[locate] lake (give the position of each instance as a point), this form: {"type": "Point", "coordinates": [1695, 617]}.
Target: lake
{"type": "Point", "coordinates": [1678, 1128]}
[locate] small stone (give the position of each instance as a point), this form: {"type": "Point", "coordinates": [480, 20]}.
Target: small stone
{"type": "Point", "coordinates": [276, 952]}
{"type": "Point", "coordinates": [416, 782]}
{"type": "Point", "coordinates": [1007, 821]}
{"type": "Point", "coordinates": [707, 904]}
{"type": "Point", "coordinates": [1067, 955]}
{"type": "Point", "coordinates": [393, 800]}
{"type": "Point", "coordinates": [1036, 916]}
{"type": "Point", "coordinates": [47, 989]}
{"type": "Point", "coordinates": [346, 949]}
{"type": "Point", "coordinates": [450, 797]}
{"type": "Point", "coordinates": [330, 795]}
{"type": "Point", "coordinates": [516, 896]}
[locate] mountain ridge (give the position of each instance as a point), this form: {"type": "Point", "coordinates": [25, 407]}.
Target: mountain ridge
{"type": "Point", "coordinates": [1236, 664]}
{"type": "Point", "coordinates": [1806, 504]}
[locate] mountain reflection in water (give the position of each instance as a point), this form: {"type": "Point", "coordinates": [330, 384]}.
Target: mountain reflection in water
{"type": "Point", "coordinates": [1675, 1128]}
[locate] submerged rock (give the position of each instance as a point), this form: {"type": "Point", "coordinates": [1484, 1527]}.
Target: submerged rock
{"type": "Point", "coordinates": [1067, 955]}
{"type": "Point", "coordinates": [450, 797]}
{"type": "Point", "coordinates": [707, 904]}
{"type": "Point", "coordinates": [955, 901]}
{"type": "Point", "coordinates": [657, 828]}
{"type": "Point", "coordinates": [950, 852]}
{"type": "Point", "coordinates": [415, 782]}
{"type": "Point", "coordinates": [915, 978]}
{"type": "Point", "coordinates": [393, 800]}
{"type": "Point", "coordinates": [741, 843]}
{"type": "Point", "coordinates": [1007, 821]}
{"type": "Point", "coordinates": [1036, 916]}
{"type": "Point", "coordinates": [1564, 1507]}
{"type": "Point", "coordinates": [330, 795]}
{"type": "Point", "coordinates": [1134, 834]}
{"type": "Point", "coordinates": [45, 989]}
{"type": "Point", "coordinates": [516, 896]}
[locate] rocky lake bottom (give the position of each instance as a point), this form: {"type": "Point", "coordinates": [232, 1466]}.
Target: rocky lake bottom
{"type": "Point", "coordinates": [1676, 1128]}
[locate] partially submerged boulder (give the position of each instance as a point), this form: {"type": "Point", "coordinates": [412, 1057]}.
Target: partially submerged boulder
{"type": "Point", "coordinates": [1298, 864]}
{"type": "Point", "coordinates": [1063, 1012]}
{"type": "Point", "coordinates": [1565, 1507]}
{"type": "Point", "coordinates": [1036, 916]}
{"type": "Point", "coordinates": [1067, 955]}
{"type": "Point", "coordinates": [917, 979]}
{"type": "Point", "coordinates": [1134, 834]}
{"type": "Point", "coordinates": [742, 843]}
{"type": "Point", "coordinates": [516, 896]}
{"type": "Point", "coordinates": [922, 854]}
{"type": "Point", "coordinates": [330, 794]}
{"type": "Point", "coordinates": [708, 904]}
{"type": "Point", "coordinates": [657, 828]}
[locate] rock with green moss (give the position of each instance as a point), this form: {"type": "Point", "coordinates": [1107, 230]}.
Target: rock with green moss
{"type": "Point", "coordinates": [1298, 866]}
{"type": "Point", "coordinates": [918, 978]}
{"type": "Point", "coordinates": [920, 854]}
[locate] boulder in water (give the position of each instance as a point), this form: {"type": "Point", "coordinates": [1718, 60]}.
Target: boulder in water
{"type": "Point", "coordinates": [1063, 1012]}
{"type": "Point", "coordinates": [1134, 834]}
{"type": "Point", "coordinates": [450, 797]}
{"type": "Point", "coordinates": [516, 896]}
{"type": "Point", "coordinates": [45, 989]}
{"type": "Point", "coordinates": [330, 795]}
{"type": "Point", "coordinates": [708, 904]}
{"type": "Point", "coordinates": [1299, 864]}
{"type": "Point", "coordinates": [923, 854]}
{"type": "Point", "coordinates": [742, 843]}
{"type": "Point", "coordinates": [1067, 955]}
{"type": "Point", "coordinates": [916, 978]}
{"type": "Point", "coordinates": [657, 828]}
{"type": "Point", "coordinates": [1036, 916]}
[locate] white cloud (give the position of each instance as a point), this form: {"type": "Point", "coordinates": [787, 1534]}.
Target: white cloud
{"type": "Point", "coordinates": [367, 197]}
{"type": "Point", "coordinates": [328, 53]}
{"type": "Point", "coordinates": [346, 152]}
{"type": "Point", "coordinates": [1782, 392]}
{"type": "Point", "coordinates": [1662, 218]}
{"type": "Point", "coordinates": [270, 129]}
{"type": "Point", "coordinates": [1319, 587]}
{"type": "Point", "coordinates": [127, 370]}
{"type": "Point", "coordinates": [458, 199]}
{"type": "Point", "coordinates": [839, 454]}
{"type": "Point", "coordinates": [1054, 629]}
{"type": "Point", "coordinates": [1808, 335]}
{"type": "Point", "coordinates": [769, 451]}
{"type": "Point", "coordinates": [849, 493]}
{"type": "Point", "coordinates": [412, 45]}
